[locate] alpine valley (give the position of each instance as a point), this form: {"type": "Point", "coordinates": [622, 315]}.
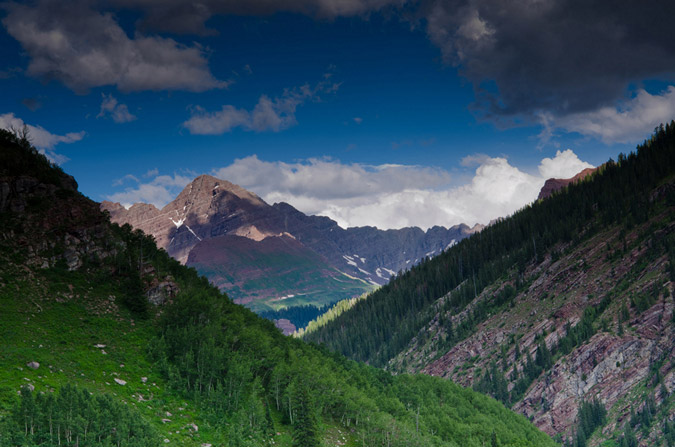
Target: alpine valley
{"type": "Point", "coordinates": [273, 257]}
{"type": "Point", "coordinates": [108, 341]}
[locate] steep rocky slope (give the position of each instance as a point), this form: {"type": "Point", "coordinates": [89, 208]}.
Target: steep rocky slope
{"type": "Point", "coordinates": [615, 364]}
{"type": "Point", "coordinates": [210, 208]}
{"type": "Point", "coordinates": [559, 311]}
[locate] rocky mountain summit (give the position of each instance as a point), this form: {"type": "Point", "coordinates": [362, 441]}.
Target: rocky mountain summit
{"type": "Point", "coordinates": [212, 213]}
{"type": "Point", "coordinates": [556, 184]}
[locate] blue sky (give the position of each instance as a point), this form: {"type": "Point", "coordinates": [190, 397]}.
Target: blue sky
{"type": "Point", "coordinates": [374, 112]}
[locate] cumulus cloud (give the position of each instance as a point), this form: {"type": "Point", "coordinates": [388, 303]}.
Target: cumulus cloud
{"type": "Point", "coordinates": [326, 179]}
{"type": "Point", "coordinates": [118, 112]}
{"type": "Point", "coordinates": [395, 196]}
{"type": "Point", "coordinates": [565, 164]}
{"type": "Point", "coordinates": [84, 48]}
{"type": "Point", "coordinates": [525, 57]}
{"type": "Point", "coordinates": [627, 123]}
{"type": "Point", "coordinates": [159, 191]}
{"type": "Point", "coordinates": [40, 137]}
{"type": "Point", "coordinates": [385, 196]}
{"type": "Point", "coordinates": [268, 114]}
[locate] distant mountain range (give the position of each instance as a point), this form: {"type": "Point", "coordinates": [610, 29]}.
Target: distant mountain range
{"type": "Point", "coordinates": [274, 256]}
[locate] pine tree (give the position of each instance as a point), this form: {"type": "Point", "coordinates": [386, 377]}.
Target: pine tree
{"type": "Point", "coordinates": [305, 430]}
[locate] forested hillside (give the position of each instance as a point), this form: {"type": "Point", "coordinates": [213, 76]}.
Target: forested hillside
{"type": "Point", "coordinates": [106, 340]}
{"type": "Point", "coordinates": [530, 309]}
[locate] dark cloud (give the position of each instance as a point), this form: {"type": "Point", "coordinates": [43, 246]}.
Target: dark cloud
{"type": "Point", "coordinates": [179, 16]}
{"type": "Point", "coordinates": [530, 61]}
{"type": "Point", "coordinates": [84, 48]}
{"type": "Point", "coordinates": [524, 57]}
{"type": "Point", "coordinates": [31, 104]}
{"type": "Point", "coordinates": [529, 56]}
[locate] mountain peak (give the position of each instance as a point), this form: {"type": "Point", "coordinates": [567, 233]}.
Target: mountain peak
{"type": "Point", "coordinates": [555, 184]}
{"type": "Point", "coordinates": [208, 185]}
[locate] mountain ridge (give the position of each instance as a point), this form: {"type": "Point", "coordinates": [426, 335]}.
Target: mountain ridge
{"type": "Point", "coordinates": [208, 208]}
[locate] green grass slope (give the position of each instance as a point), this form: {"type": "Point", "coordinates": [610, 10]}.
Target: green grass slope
{"type": "Point", "coordinates": [194, 369]}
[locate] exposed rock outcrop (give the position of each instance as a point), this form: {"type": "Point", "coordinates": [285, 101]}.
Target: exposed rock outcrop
{"type": "Point", "coordinates": [616, 362]}
{"type": "Point", "coordinates": [555, 184]}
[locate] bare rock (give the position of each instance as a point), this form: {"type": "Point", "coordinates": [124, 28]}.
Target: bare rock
{"type": "Point", "coordinates": [162, 292]}
{"type": "Point", "coordinates": [120, 381]}
{"type": "Point", "coordinates": [33, 365]}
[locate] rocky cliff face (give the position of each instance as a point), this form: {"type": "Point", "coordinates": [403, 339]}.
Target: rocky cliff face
{"type": "Point", "coordinates": [56, 227]}
{"type": "Point", "coordinates": [556, 184]}
{"type": "Point", "coordinates": [209, 209]}
{"type": "Point", "coordinates": [632, 339]}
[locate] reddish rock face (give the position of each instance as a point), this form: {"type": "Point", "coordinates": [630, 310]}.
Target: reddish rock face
{"type": "Point", "coordinates": [197, 213]}
{"type": "Point", "coordinates": [555, 184]}
{"type": "Point", "coordinates": [613, 366]}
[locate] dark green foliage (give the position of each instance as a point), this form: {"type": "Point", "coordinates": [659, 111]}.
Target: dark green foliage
{"type": "Point", "coordinates": [305, 430]}
{"type": "Point", "coordinates": [644, 417]}
{"type": "Point", "coordinates": [74, 417]}
{"type": "Point", "coordinates": [494, 383]}
{"type": "Point", "coordinates": [618, 193]}
{"type": "Point", "coordinates": [591, 416]}
{"type": "Point", "coordinates": [239, 368]}
{"type": "Point", "coordinates": [629, 439]}
{"type": "Point", "coordinates": [669, 433]}
{"type": "Point", "coordinates": [545, 358]}
{"type": "Point", "coordinates": [133, 297]}
{"type": "Point", "coordinates": [577, 335]}
{"type": "Point", "coordinates": [18, 156]}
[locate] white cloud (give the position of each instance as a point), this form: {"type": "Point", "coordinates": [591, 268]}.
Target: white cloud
{"type": "Point", "coordinates": [83, 48]}
{"type": "Point", "coordinates": [40, 137]}
{"type": "Point", "coordinates": [118, 112]}
{"type": "Point", "coordinates": [159, 191]}
{"type": "Point", "coordinates": [126, 178]}
{"type": "Point", "coordinates": [627, 123]}
{"type": "Point", "coordinates": [267, 115]}
{"type": "Point", "coordinates": [385, 196]}
{"type": "Point", "coordinates": [325, 179]}
{"type": "Point", "coordinates": [395, 196]}
{"type": "Point", "coordinates": [565, 164]}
